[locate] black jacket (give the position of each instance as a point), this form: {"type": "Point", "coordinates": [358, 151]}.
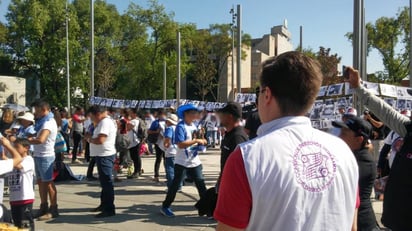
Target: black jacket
{"type": "Point", "coordinates": [367, 176]}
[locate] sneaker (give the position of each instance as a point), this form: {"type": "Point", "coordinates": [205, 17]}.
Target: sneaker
{"type": "Point", "coordinates": [167, 212]}
{"type": "Point", "coordinates": [54, 211]}
{"type": "Point", "coordinates": [44, 209]}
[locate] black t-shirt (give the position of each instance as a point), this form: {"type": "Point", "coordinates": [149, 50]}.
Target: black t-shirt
{"type": "Point", "coordinates": [367, 175]}
{"type": "Point", "coordinates": [252, 124]}
{"type": "Point", "coordinates": [234, 137]}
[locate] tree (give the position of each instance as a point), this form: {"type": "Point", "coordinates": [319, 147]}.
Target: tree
{"type": "Point", "coordinates": [386, 35]}
{"type": "Point", "coordinates": [328, 63]}
{"type": "Point", "coordinates": [36, 42]}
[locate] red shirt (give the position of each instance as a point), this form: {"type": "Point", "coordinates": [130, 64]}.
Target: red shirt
{"type": "Point", "coordinates": [234, 206]}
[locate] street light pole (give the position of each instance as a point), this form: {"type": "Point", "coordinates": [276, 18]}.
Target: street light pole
{"type": "Point", "coordinates": [239, 49]}
{"type": "Point", "coordinates": [178, 69]}
{"type": "Point", "coordinates": [67, 58]}
{"type": "Point", "coordinates": [164, 80]}
{"type": "Point", "coordinates": [233, 28]}
{"type": "Point", "coordinates": [410, 43]}
{"type": "Point", "coordinates": [92, 47]}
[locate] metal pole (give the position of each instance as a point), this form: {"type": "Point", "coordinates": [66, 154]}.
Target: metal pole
{"type": "Point", "coordinates": [410, 43]}
{"type": "Point", "coordinates": [301, 39]}
{"type": "Point", "coordinates": [364, 46]}
{"type": "Point", "coordinates": [356, 34]}
{"type": "Point", "coordinates": [164, 80]}
{"type": "Point", "coordinates": [239, 49]}
{"type": "Point", "coordinates": [92, 47]}
{"type": "Point", "coordinates": [67, 58]}
{"type": "Point", "coordinates": [233, 63]}
{"type": "Point", "coordinates": [178, 69]}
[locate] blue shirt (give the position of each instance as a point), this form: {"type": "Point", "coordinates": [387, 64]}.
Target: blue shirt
{"type": "Point", "coordinates": [170, 134]}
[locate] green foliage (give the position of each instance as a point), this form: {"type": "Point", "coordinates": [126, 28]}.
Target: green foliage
{"type": "Point", "coordinates": [390, 37]}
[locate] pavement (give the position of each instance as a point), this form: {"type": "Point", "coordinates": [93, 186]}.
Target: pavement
{"type": "Point", "coordinates": [137, 202]}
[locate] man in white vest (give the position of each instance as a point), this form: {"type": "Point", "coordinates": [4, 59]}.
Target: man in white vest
{"type": "Point", "coordinates": [292, 176]}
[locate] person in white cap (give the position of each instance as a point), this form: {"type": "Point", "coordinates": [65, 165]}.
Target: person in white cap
{"type": "Point", "coordinates": [26, 129]}
{"type": "Point", "coordinates": [171, 148]}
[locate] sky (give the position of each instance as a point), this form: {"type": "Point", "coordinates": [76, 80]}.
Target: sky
{"type": "Point", "coordinates": [325, 22]}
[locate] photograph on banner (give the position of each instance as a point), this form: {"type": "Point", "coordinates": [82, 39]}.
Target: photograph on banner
{"type": "Point", "coordinates": [342, 102]}
{"type": "Point", "coordinates": [183, 102]}
{"type": "Point", "coordinates": [390, 101]}
{"type": "Point", "coordinates": [134, 104]}
{"type": "Point", "coordinates": [335, 89]}
{"type": "Point", "coordinates": [329, 109]}
{"type": "Point", "coordinates": [316, 124]}
{"type": "Point", "coordinates": [148, 104]}
{"type": "Point", "coordinates": [106, 102]}
{"type": "Point", "coordinates": [404, 92]}
{"type": "Point", "coordinates": [401, 104]}
{"type": "Point", "coordinates": [348, 90]}
{"type": "Point", "coordinates": [327, 123]}
{"type": "Point", "coordinates": [322, 91]}
{"type": "Point", "coordinates": [372, 87]}
{"type": "Point", "coordinates": [168, 103]}
{"type": "Point", "coordinates": [127, 103]}
{"type": "Point", "coordinates": [388, 90]}
{"type": "Point", "coordinates": [155, 104]}
{"type": "Point", "coordinates": [142, 103]}
{"type": "Point", "coordinates": [117, 103]}
{"type": "Point", "coordinates": [317, 110]}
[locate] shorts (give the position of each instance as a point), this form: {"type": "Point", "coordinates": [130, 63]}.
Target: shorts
{"type": "Point", "coordinates": [44, 168]}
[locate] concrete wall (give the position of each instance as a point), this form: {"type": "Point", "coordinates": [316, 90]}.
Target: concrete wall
{"type": "Point", "coordinates": [12, 90]}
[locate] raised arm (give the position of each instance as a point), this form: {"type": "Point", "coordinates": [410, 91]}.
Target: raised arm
{"type": "Point", "coordinates": [389, 116]}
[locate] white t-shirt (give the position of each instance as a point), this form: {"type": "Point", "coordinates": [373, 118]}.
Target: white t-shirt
{"type": "Point", "coordinates": [6, 166]}
{"type": "Point", "coordinates": [46, 148]}
{"type": "Point", "coordinates": [105, 127]}
{"type": "Point", "coordinates": [300, 178]}
{"type": "Point", "coordinates": [160, 140]}
{"type": "Point", "coordinates": [21, 181]}
{"type": "Point", "coordinates": [132, 134]}
{"type": "Point", "coordinates": [187, 157]}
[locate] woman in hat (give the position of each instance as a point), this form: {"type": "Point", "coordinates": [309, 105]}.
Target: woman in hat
{"type": "Point", "coordinates": [171, 148]}
{"type": "Point", "coordinates": [26, 129]}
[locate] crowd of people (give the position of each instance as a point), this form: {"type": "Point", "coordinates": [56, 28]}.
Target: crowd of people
{"type": "Point", "coordinates": [277, 172]}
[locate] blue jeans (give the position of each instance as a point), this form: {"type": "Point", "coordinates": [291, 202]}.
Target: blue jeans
{"type": "Point", "coordinates": [211, 137]}
{"type": "Point", "coordinates": [170, 171]}
{"type": "Point", "coordinates": [105, 168]}
{"type": "Point", "coordinates": [180, 173]}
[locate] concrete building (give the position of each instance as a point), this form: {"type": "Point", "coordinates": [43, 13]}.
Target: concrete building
{"type": "Point", "coordinates": [273, 44]}
{"type": "Point", "coordinates": [12, 90]}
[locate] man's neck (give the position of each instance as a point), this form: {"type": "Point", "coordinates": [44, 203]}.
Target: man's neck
{"type": "Point", "coordinates": [232, 126]}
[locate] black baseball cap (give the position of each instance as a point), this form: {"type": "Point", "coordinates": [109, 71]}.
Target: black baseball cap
{"type": "Point", "coordinates": [232, 108]}
{"type": "Point", "coordinates": [356, 124]}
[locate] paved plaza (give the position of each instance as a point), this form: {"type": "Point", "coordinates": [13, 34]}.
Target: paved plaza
{"type": "Point", "coordinates": [137, 200]}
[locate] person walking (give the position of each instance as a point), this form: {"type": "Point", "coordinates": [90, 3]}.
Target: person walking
{"type": "Point", "coordinates": [135, 141]}
{"type": "Point", "coordinates": [44, 157]}
{"type": "Point", "coordinates": [157, 131]}
{"type": "Point", "coordinates": [291, 176]}
{"type": "Point", "coordinates": [230, 117]}
{"type": "Point", "coordinates": [187, 158]}
{"type": "Point", "coordinates": [102, 148]}
{"type": "Point", "coordinates": [171, 148]}
{"type": "Point", "coordinates": [78, 130]}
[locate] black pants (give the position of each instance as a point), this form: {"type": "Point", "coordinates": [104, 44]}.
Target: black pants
{"type": "Point", "coordinates": [22, 216]}
{"type": "Point", "coordinates": [92, 163]}
{"type": "Point", "coordinates": [77, 138]}
{"type": "Point", "coordinates": [160, 154]}
{"type": "Point", "coordinates": [137, 160]}
{"type": "Point", "coordinates": [87, 152]}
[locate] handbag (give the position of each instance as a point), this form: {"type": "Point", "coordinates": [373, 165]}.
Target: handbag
{"type": "Point", "coordinates": [60, 145]}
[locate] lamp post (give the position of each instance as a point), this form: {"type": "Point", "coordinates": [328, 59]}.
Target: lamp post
{"type": "Point", "coordinates": [239, 49]}
{"type": "Point", "coordinates": [92, 47]}
{"type": "Point", "coordinates": [233, 29]}
{"type": "Point", "coordinates": [67, 58]}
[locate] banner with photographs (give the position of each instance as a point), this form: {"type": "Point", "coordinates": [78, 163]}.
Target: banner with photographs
{"type": "Point", "coordinates": [152, 104]}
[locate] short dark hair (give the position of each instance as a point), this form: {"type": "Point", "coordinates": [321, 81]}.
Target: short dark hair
{"type": "Point", "coordinates": [41, 103]}
{"type": "Point", "coordinates": [23, 142]}
{"type": "Point", "coordinates": [294, 79]}
{"type": "Point", "coordinates": [96, 109]}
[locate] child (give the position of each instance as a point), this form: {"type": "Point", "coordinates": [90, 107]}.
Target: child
{"type": "Point", "coordinates": [21, 186]}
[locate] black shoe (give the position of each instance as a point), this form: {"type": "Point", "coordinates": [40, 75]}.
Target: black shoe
{"type": "Point", "coordinates": [105, 214]}
{"type": "Point", "coordinates": [97, 209]}
{"type": "Point", "coordinates": [92, 178]}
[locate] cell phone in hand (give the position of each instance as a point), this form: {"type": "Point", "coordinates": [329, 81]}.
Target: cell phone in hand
{"type": "Point", "coordinates": [345, 72]}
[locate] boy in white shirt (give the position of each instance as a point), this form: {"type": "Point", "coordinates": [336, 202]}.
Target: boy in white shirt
{"type": "Point", "coordinates": [21, 186]}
